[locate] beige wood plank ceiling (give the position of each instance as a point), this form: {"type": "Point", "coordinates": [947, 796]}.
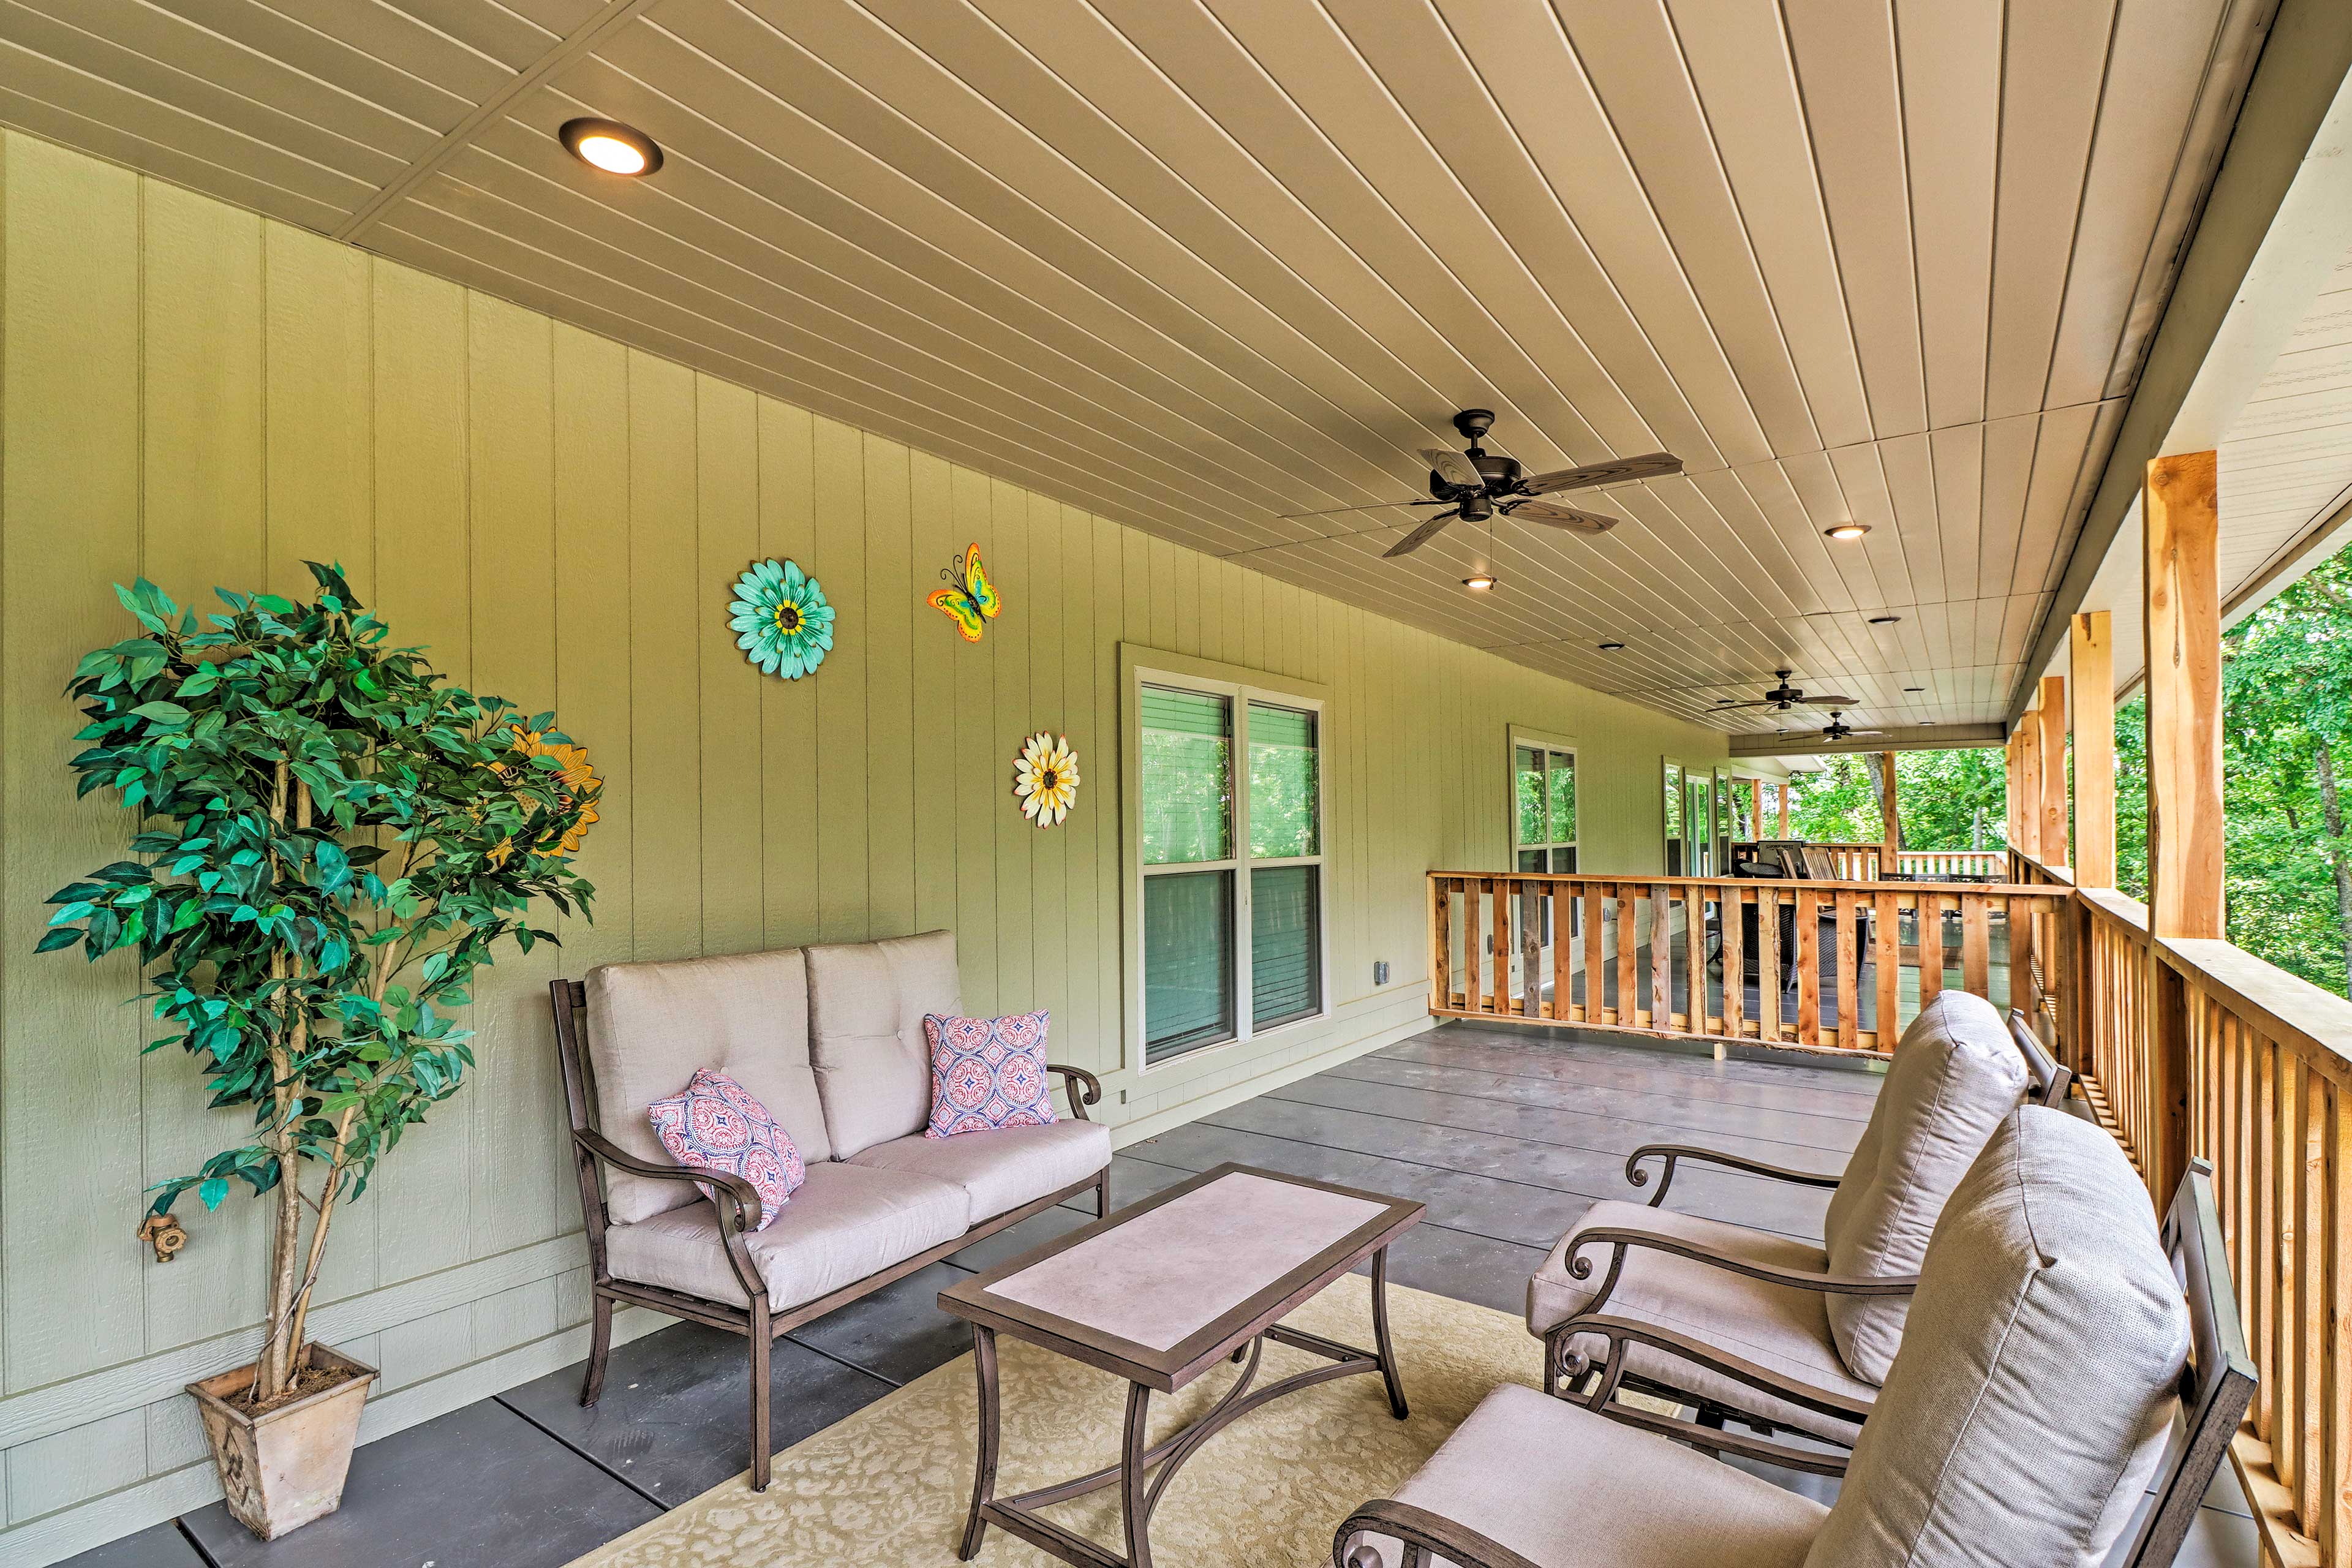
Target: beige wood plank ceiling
{"type": "Point", "coordinates": [1197, 264]}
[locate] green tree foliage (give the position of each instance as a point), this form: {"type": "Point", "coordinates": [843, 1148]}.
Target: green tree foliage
{"type": "Point", "coordinates": [2286, 686]}
{"type": "Point", "coordinates": [330, 843]}
{"type": "Point", "coordinates": [1949, 800]}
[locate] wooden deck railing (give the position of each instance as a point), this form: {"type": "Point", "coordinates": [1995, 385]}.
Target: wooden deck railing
{"type": "Point", "coordinates": [1833, 962]}
{"type": "Point", "coordinates": [2196, 1049]}
{"type": "Point", "coordinates": [1953, 862]}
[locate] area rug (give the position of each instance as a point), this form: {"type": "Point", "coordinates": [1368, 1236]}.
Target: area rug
{"type": "Point", "coordinates": [888, 1487]}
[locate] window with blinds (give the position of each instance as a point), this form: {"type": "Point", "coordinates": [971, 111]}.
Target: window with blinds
{"type": "Point", "coordinates": [1232, 867]}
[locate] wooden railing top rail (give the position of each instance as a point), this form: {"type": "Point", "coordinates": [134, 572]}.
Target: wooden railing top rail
{"type": "Point", "coordinates": [1780, 884]}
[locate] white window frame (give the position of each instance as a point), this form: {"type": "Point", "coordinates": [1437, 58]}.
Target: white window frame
{"type": "Point", "coordinates": [1538, 739]}
{"type": "Point", "coordinates": [1140, 666]}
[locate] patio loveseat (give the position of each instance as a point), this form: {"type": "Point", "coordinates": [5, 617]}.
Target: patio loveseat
{"type": "Point", "coordinates": [831, 1040]}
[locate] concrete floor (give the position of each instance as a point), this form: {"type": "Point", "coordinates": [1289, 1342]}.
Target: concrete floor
{"type": "Point", "coordinates": [1506, 1135]}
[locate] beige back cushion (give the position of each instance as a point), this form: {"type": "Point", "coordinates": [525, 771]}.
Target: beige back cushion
{"type": "Point", "coordinates": [866, 1002]}
{"type": "Point", "coordinates": [1955, 1076]}
{"type": "Point", "coordinates": [651, 1024]}
{"type": "Point", "coordinates": [2037, 1384]}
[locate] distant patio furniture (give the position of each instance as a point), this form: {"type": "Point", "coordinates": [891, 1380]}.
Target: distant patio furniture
{"type": "Point", "coordinates": [831, 1041]}
{"type": "Point", "coordinates": [2074, 1332]}
{"type": "Point", "coordinates": [1158, 1294]}
{"type": "Point", "coordinates": [1813, 1329]}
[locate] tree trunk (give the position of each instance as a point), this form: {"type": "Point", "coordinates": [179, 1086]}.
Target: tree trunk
{"type": "Point", "coordinates": [2337, 854]}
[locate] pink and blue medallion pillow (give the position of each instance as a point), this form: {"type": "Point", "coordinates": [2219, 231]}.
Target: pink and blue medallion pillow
{"type": "Point", "coordinates": [988, 1073]}
{"type": "Point", "coordinates": [716, 1124]}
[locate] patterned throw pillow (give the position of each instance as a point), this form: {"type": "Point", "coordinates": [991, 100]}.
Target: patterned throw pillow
{"type": "Point", "coordinates": [716, 1124]}
{"type": "Point", "coordinates": [988, 1073]}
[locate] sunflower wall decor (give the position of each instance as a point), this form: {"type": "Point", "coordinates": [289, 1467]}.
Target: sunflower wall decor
{"type": "Point", "coordinates": [1045, 778]}
{"type": "Point", "coordinates": [781, 619]}
{"type": "Point", "coordinates": [580, 782]}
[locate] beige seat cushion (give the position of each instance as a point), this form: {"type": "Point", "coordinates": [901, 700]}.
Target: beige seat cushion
{"type": "Point", "coordinates": [845, 1222]}
{"type": "Point", "coordinates": [651, 1024]}
{"type": "Point", "coordinates": [1783, 1329]}
{"type": "Point", "coordinates": [1567, 1488]}
{"type": "Point", "coordinates": [2033, 1397]}
{"type": "Point", "coordinates": [866, 1002]}
{"type": "Point", "coordinates": [1956, 1074]}
{"type": "Point", "coordinates": [1001, 1169]}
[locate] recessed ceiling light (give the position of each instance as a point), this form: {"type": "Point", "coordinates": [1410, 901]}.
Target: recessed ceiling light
{"type": "Point", "coordinates": [1927, 723]}
{"type": "Point", "coordinates": [1846, 531]}
{"type": "Point", "coordinates": [1884, 620]}
{"type": "Point", "coordinates": [1479, 582]}
{"type": "Point", "coordinates": [609, 145]}
{"type": "Point", "coordinates": [1612, 647]}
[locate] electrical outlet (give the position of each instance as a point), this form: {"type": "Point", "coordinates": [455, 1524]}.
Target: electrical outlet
{"type": "Point", "coordinates": [1379, 972]}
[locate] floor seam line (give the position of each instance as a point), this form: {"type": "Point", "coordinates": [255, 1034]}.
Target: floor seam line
{"type": "Point", "coordinates": [1613, 1089]}
{"type": "Point", "coordinates": [1491, 1100]}
{"type": "Point", "coordinates": [558, 1438]}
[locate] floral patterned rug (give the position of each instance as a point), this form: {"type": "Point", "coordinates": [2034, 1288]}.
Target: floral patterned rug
{"type": "Point", "coordinates": [888, 1487]}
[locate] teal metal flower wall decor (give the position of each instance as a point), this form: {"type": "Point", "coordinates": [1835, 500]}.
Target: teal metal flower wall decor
{"type": "Point", "coordinates": [781, 619]}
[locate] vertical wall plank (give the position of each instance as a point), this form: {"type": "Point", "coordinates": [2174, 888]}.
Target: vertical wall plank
{"type": "Point", "coordinates": [203, 496]}
{"type": "Point", "coordinates": [934, 645]}
{"type": "Point", "coordinates": [889, 690]}
{"type": "Point", "coordinates": [69, 530]}
{"type": "Point", "coordinates": [665, 669]}
{"type": "Point", "coordinates": [976, 746]}
{"type": "Point", "coordinates": [1103, 778]}
{"type": "Point", "coordinates": [1008, 509]}
{"type": "Point", "coordinates": [425, 592]}
{"type": "Point", "coordinates": [1048, 846]}
{"type": "Point", "coordinates": [842, 873]}
{"type": "Point", "coordinates": [316, 374]}
{"type": "Point", "coordinates": [788, 765]}
{"type": "Point", "coordinates": [727, 538]}
{"type": "Point", "coordinates": [513, 1108]}
{"type": "Point", "coordinates": [1081, 880]}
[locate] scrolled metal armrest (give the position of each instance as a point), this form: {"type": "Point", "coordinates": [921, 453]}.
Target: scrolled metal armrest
{"type": "Point", "coordinates": [740, 1193]}
{"type": "Point", "coordinates": [1671, 1153]}
{"type": "Point", "coordinates": [1433, 1533]}
{"type": "Point", "coordinates": [1772, 1273]}
{"type": "Point", "coordinates": [1071, 1079]}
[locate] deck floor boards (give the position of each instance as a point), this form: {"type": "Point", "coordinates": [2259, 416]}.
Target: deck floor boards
{"type": "Point", "coordinates": [1507, 1133]}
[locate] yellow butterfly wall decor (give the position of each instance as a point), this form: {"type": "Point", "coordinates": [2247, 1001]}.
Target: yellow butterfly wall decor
{"type": "Point", "coordinates": [970, 599]}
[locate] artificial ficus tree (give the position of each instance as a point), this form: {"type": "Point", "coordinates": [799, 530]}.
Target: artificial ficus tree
{"type": "Point", "coordinates": [330, 842]}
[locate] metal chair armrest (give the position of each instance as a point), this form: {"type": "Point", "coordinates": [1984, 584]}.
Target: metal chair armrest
{"type": "Point", "coordinates": [741, 1194]}
{"type": "Point", "coordinates": [1071, 1079]}
{"type": "Point", "coordinates": [1425, 1535]}
{"type": "Point", "coordinates": [1772, 1273]}
{"type": "Point", "coordinates": [1671, 1153]}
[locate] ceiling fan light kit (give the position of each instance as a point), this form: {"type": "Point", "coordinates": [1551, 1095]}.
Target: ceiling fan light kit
{"type": "Point", "coordinates": [1845, 532]}
{"type": "Point", "coordinates": [1479, 582]}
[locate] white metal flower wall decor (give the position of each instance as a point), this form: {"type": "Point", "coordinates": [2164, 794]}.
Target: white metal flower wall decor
{"type": "Point", "coordinates": [1045, 778]}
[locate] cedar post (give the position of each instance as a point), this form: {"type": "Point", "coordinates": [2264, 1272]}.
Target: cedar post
{"type": "Point", "coordinates": [1784, 807]}
{"type": "Point", "coordinates": [2051, 835]}
{"type": "Point", "coordinates": [2182, 615]}
{"type": "Point", "coordinates": [2027, 800]}
{"type": "Point", "coordinates": [2094, 692]}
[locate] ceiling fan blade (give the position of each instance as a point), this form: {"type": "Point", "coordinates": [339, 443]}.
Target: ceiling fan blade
{"type": "Point", "coordinates": [1453, 468]}
{"type": "Point", "coordinates": [1553, 515]}
{"type": "Point", "coordinates": [1832, 701]}
{"type": "Point", "coordinates": [1367, 506]}
{"type": "Point", "coordinates": [1419, 536]}
{"type": "Point", "coordinates": [1724, 705]}
{"type": "Point", "coordinates": [1616, 470]}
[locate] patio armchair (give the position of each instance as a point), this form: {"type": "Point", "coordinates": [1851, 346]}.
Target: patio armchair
{"type": "Point", "coordinates": [2070, 1364]}
{"type": "Point", "coordinates": [831, 1040]}
{"type": "Point", "coordinates": [1778, 1333]}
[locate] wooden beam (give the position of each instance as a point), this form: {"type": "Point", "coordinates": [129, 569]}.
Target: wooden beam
{"type": "Point", "coordinates": [2027, 801]}
{"type": "Point", "coordinates": [2051, 835]}
{"type": "Point", "coordinates": [1755, 810]}
{"type": "Point", "coordinates": [2182, 622]}
{"type": "Point", "coordinates": [2094, 724]}
{"type": "Point", "coordinates": [1784, 806]}
{"type": "Point", "coordinates": [2012, 792]}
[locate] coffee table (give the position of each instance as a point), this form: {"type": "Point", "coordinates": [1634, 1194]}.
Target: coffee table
{"type": "Point", "coordinates": [1158, 1293]}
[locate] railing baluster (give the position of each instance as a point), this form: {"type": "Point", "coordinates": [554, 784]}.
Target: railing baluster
{"type": "Point", "coordinates": [1849, 982]}
{"type": "Point", "coordinates": [1734, 915]}
{"type": "Point", "coordinates": [1473, 993]}
{"type": "Point", "coordinates": [1889, 942]}
{"type": "Point", "coordinates": [1594, 972]}
{"type": "Point", "coordinates": [1694, 955]}
{"type": "Point", "coordinates": [1661, 957]}
{"type": "Point", "coordinates": [1767, 962]}
{"type": "Point", "coordinates": [1629, 930]}
{"type": "Point", "coordinates": [1809, 968]}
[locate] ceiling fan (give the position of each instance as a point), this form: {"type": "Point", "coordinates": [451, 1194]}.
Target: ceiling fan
{"type": "Point", "coordinates": [1837, 728]}
{"type": "Point", "coordinates": [1783, 697]}
{"type": "Point", "coordinates": [1476, 485]}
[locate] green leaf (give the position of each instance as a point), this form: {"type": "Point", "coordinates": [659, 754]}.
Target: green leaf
{"type": "Point", "coordinates": [167, 713]}
{"type": "Point", "coordinates": [52, 940]}
{"type": "Point", "coordinates": [212, 1191]}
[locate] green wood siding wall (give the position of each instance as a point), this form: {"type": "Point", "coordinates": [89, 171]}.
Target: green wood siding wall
{"type": "Point", "coordinates": [200, 397]}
